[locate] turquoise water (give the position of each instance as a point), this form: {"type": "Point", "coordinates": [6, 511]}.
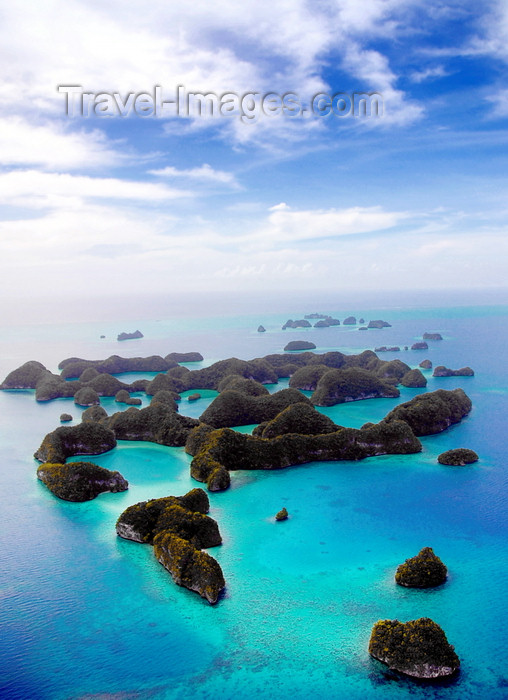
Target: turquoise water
{"type": "Point", "coordinates": [85, 614]}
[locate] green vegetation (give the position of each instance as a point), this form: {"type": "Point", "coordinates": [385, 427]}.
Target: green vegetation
{"type": "Point", "coordinates": [229, 450]}
{"type": "Point", "coordinates": [295, 345]}
{"type": "Point", "coordinates": [282, 515]}
{"type": "Point", "coordinates": [178, 527]}
{"type": "Point", "coordinates": [86, 396]}
{"type": "Point", "coordinates": [65, 417]}
{"type": "Point", "coordinates": [89, 438]}
{"type": "Point", "coordinates": [94, 414]}
{"type": "Point", "coordinates": [458, 457]}
{"type": "Point", "coordinates": [190, 567]}
{"type": "Point", "coordinates": [432, 412]}
{"type": "Point", "coordinates": [80, 481]}
{"type": "Point", "coordinates": [351, 384]}
{"type": "Point", "coordinates": [298, 418]}
{"type": "Point", "coordinates": [243, 385]}
{"type": "Point", "coordinates": [442, 371]}
{"type": "Point", "coordinates": [417, 648]}
{"type": "Point", "coordinates": [425, 570]}
{"type": "Point", "coordinates": [184, 516]}
{"type": "Point", "coordinates": [75, 366]}
{"type": "Point", "coordinates": [307, 377]}
{"type": "Point", "coordinates": [156, 423]}
{"type": "Point", "coordinates": [426, 364]}
{"type": "Point", "coordinates": [231, 408]}
{"type": "Point", "coordinates": [24, 377]}
{"type": "Point", "coordinates": [413, 379]}
{"type": "Point", "coordinates": [184, 357]}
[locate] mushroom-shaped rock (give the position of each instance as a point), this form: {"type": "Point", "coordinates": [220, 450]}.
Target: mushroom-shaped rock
{"type": "Point", "coordinates": [296, 345]}
{"type": "Point", "coordinates": [282, 515]}
{"type": "Point", "coordinates": [80, 481]}
{"type": "Point", "coordinates": [189, 567]}
{"type": "Point", "coordinates": [425, 570]}
{"type": "Point", "coordinates": [65, 417]}
{"type": "Point", "coordinates": [413, 379]}
{"type": "Point", "coordinates": [425, 364]}
{"type": "Point", "coordinates": [458, 457]}
{"type": "Point", "coordinates": [417, 648]}
{"type": "Point", "coordinates": [86, 396]}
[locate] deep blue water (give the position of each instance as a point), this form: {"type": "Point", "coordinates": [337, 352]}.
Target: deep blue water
{"type": "Point", "coordinates": [85, 614]}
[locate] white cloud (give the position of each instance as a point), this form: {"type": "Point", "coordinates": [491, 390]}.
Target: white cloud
{"type": "Point", "coordinates": [285, 225]}
{"type": "Point", "coordinates": [32, 188]}
{"type": "Point", "coordinates": [429, 74]}
{"type": "Point", "coordinates": [205, 173]}
{"type": "Point", "coordinates": [50, 145]}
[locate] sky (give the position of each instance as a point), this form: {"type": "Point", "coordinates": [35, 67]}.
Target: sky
{"type": "Point", "coordinates": [264, 194]}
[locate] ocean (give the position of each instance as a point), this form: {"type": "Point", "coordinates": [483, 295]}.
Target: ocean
{"type": "Point", "coordinates": [85, 614]}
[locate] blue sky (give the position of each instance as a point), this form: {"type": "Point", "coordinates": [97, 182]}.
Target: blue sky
{"type": "Point", "coordinates": [414, 198]}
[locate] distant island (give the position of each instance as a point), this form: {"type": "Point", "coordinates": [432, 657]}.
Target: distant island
{"type": "Point", "coordinates": [130, 336]}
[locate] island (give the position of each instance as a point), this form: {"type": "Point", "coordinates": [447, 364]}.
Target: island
{"type": "Point", "coordinates": [80, 481]}
{"type": "Point", "coordinates": [458, 457]}
{"type": "Point", "coordinates": [130, 336]}
{"type": "Point", "coordinates": [296, 345]}
{"type": "Point", "coordinates": [379, 324]}
{"type": "Point", "coordinates": [261, 329]}
{"type": "Point", "coordinates": [179, 527]}
{"type": "Point", "coordinates": [87, 438]}
{"type": "Point", "coordinates": [432, 412]}
{"type": "Point", "coordinates": [385, 348]}
{"type": "Point", "coordinates": [425, 570]}
{"type": "Point", "coordinates": [350, 384]}
{"type": "Point", "coordinates": [418, 648]}
{"type": "Point", "coordinates": [184, 357]}
{"type": "Point", "coordinates": [217, 452]}
{"type": "Point", "coordinates": [86, 396]}
{"type": "Point", "coordinates": [232, 408]}
{"type": "Point", "coordinates": [413, 379]}
{"type": "Point", "coordinates": [442, 371]}
{"type": "Point", "coordinates": [425, 364]}
{"type": "Point", "coordinates": [25, 377]}
{"type": "Point", "coordinates": [350, 321]}
{"type": "Point", "coordinates": [301, 323]}
{"type": "Point", "coordinates": [432, 336]}
{"type": "Point", "coordinates": [420, 345]}
{"type": "Point", "coordinates": [282, 515]}
{"type": "Point", "coordinates": [65, 417]}
{"type": "Point", "coordinates": [327, 322]}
